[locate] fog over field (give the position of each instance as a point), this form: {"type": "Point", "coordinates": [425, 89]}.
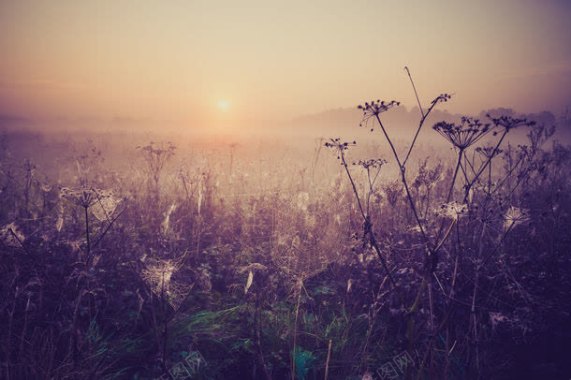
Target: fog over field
{"type": "Point", "coordinates": [285, 190]}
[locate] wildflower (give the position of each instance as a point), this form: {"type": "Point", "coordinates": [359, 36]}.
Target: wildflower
{"type": "Point", "coordinates": [452, 210]}
{"type": "Point", "coordinates": [488, 152]}
{"type": "Point", "coordinates": [102, 203]}
{"type": "Point", "coordinates": [375, 163]}
{"type": "Point", "coordinates": [465, 134]}
{"type": "Point", "coordinates": [515, 216]}
{"type": "Point", "coordinates": [442, 98]}
{"type": "Point", "coordinates": [339, 146]}
{"type": "Point", "coordinates": [84, 197]}
{"type": "Point", "coordinates": [374, 109]}
{"type": "Point", "coordinates": [509, 123]}
{"type": "Point", "coordinates": [336, 143]}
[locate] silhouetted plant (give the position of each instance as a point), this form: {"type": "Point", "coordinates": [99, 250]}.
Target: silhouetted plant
{"type": "Point", "coordinates": [156, 156]}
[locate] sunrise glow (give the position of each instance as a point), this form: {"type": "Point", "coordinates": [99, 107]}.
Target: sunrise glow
{"type": "Point", "coordinates": [272, 190]}
{"type": "Point", "coordinates": [148, 60]}
{"type": "Point", "coordinates": [223, 105]}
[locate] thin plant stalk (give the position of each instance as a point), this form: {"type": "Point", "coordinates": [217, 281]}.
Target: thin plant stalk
{"type": "Point", "coordinates": [420, 125]}
{"type": "Point", "coordinates": [415, 92]}
{"type": "Point", "coordinates": [328, 359]}
{"type": "Point", "coordinates": [454, 176]}
{"type": "Point", "coordinates": [87, 238]}
{"type": "Point", "coordinates": [366, 219]}
{"type": "Point", "coordinates": [405, 184]}
{"type": "Point", "coordinates": [486, 163]}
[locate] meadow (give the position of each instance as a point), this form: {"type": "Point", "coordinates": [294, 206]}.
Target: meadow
{"type": "Point", "coordinates": [439, 257]}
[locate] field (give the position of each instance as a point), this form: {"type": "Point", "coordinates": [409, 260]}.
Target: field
{"type": "Point", "coordinates": [301, 258]}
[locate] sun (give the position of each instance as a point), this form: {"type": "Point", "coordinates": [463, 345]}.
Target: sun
{"type": "Point", "coordinates": [223, 105]}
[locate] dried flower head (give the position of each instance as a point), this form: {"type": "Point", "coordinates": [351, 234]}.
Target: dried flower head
{"type": "Point", "coordinates": [515, 216]}
{"type": "Point", "coordinates": [84, 197]}
{"type": "Point", "coordinates": [102, 203]}
{"type": "Point", "coordinates": [452, 210]}
{"type": "Point", "coordinates": [442, 98]}
{"type": "Point", "coordinates": [339, 146]}
{"type": "Point", "coordinates": [374, 163]}
{"type": "Point", "coordinates": [336, 143]}
{"type": "Point", "coordinates": [463, 135]}
{"type": "Point", "coordinates": [509, 123]}
{"type": "Point", "coordinates": [488, 152]}
{"type": "Point", "coordinates": [374, 109]}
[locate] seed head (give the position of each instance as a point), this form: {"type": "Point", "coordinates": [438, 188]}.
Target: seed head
{"type": "Point", "coordinates": [509, 123]}
{"type": "Point", "coordinates": [465, 134]}
{"type": "Point", "coordinates": [442, 98]}
{"type": "Point", "coordinates": [488, 152]}
{"type": "Point", "coordinates": [374, 163]}
{"type": "Point", "coordinates": [515, 216]}
{"type": "Point", "coordinates": [374, 109]}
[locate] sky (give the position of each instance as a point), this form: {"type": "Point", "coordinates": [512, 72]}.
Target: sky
{"type": "Point", "coordinates": [202, 63]}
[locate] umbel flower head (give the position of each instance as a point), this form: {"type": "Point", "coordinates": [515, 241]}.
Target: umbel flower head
{"type": "Point", "coordinates": [509, 123]}
{"type": "Point", "coordinates": [83, 197]}
{"type": "Point", "coordinates": [442, 98]}
{"type": "Point", "coordinates": [374, 163]}
{"type": "Point", "coordinates": [374, 109]}
{"type": "Point", "coordinates": [339, 146]}
{"type": "Point", "coordinates": [465, 134]}
{"type": "Point", "coordinates": [488, 151]}
{"type": "Point", "coordinates": [515, 216]}
{"type": "Point", "coordinates": [102, 203]}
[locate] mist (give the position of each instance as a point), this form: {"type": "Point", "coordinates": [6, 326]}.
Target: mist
{"type": "Point", "coordinates": [299, 190]}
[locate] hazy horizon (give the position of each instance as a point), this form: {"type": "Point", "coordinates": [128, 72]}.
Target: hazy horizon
{"type": "Point", "coordinates": [296, 190]}
{"type": "Point", "coordinates": [225, 66]}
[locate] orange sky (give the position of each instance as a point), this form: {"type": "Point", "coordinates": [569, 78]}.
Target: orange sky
{"type": "Point", "coordinates": [203, 62]}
